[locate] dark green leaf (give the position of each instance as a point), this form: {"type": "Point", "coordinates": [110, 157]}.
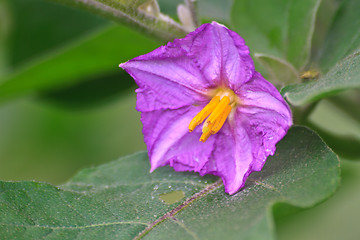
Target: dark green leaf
{"type": "Point", "coordinates": [41, 26]}
{"type": "Point", "coordinates": [90, 93]}
{"type": "Point", "coordinates": [5, 22]}
{"type": "Point", "coordinates": [121, 199]}
{"type": "Point", "coordinates": [345, 75]}
{"type": "Point", "coordinates": [98, 54]}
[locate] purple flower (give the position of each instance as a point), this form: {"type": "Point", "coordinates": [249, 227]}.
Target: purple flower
{"type": "Point", "coordinates": [208, 77]}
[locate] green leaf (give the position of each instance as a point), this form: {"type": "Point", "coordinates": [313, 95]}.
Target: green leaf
{"type": "Point", "coordinates": [98, 54]}
{"type": "Point", "coordinates": [135, 13]}
{"type": "Point", "coordinates": [121, 199]}
{"type": "Point", "coordinates": [335, 219]}
{"type": "Point", "coordinates": [324, 20]}
{"type": "Point", "coordinates": [300, 28]}
{"type": "Point", "coordinates": [280, 71]}
{"type": "Point", "coordinates": [5, 22]}
{"type": "Point", "coordinates": [345, 146]}
{"type": "Point", "coordinates": [90, 93]}
{"type": "Point", "coordinates": [345, 75]}
{"type": "Point", "coordinates": [336, 122]}
{"type": "Point", "coordinates": [344, 36]}
{"type": "Point", "coordinates": [342, 70]}
{"type": "Point", "coordinates": [279, 28]}
{"type": "Point", "coordinates": [40, 26]}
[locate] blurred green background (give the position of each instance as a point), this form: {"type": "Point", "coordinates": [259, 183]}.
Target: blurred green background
{"type": "Point", "coordinates": [50, 135]}
{"type": "Point", "coordinates": [47, 137]}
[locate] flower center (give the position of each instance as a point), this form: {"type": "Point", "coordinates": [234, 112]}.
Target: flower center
{"type": "Point", "coordinates": [219, 109]}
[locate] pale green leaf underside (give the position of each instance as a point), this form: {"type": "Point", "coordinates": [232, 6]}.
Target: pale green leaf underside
{"type": "Point", "coordinates": [119, 200]}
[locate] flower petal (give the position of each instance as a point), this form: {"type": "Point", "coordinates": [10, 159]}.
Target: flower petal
{"type": "Point", "coordinates": [180, 73]}
{"type": "Point", "coordinates": [169, 142]}
{"type": "Point", "coordinates": [250, 135]}
{"type": "Point", "coordinates": [167, 79]}
{"type": "Point", "coordinates": [220, 54]}
{"type": "Point", "coordinates": [265, 115]}
{"type": "Point", "coordinates": [175, 82]}
{"type": "Point", "coordinates": [231, 158]}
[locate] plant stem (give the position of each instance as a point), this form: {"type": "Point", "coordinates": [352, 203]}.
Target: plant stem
{"type": "Point", "coordinates": [162, 28]}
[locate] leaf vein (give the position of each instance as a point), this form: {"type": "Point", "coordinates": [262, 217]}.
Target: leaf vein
{"type": "Point", "coordinates": [75, 227]}
{"type": "Point", "coordinates": [182, 206]}
{"type": "Point", "coordinates": [182, 225]}
{"type": "Point", "coordinates": [129, 184]}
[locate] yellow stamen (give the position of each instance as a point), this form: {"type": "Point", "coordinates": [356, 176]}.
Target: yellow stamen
{"type": "Point", "coordinates": [205, 136]}
{"type": "Point", "coordinates": [216, 113]}
{"type": "Point", "coordinates": [218, 110]}
{"type": "Point", "coordinates": [207, 127]}
{"type": "Point", "coordinates": [204, 113]}
{"type": "Point", "coordinates": [221, 120]}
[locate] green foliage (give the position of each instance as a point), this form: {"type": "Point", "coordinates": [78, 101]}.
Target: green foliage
{"type": "Point", "coordinates": [345, 75]}
{"type": "Point", "coordinates": [4, 33]}
{"type": "Point", "coordinates": [279, 71]}
{"type": "Point", "coordinates": [339, 60]}
{"type": "Point", "coordinates": [279, 28]}
{"type": "Point", "coordinates": [69, 56]}
{"type": "Point", "coordinates": [282, 31]}
{"type": "Point", "coordinates": [95, 55]}
{"type": "Point", "coordinates": [40, 27]}
{"type": "Point", "coordinates": [121, 199]}
{"type": "Point", "coordinates": [341, 42]}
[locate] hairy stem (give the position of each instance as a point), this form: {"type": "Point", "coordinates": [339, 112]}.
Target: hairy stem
{"type": "Point", "coordinates": [161, 27]}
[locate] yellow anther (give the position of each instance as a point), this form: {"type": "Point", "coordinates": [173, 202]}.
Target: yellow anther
{"type": "Point", "coordinates": [221, 120]}
{"type": "Point", "coordinates": [204, 113]}
{"type": "Point", "coordinates": [205, 136]}
{"type": "Point", "coordinates": [207, 127]}
{"type": "Point", "coordinates": [218, 110]}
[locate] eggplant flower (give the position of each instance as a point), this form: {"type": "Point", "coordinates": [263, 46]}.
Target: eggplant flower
{"type": "Point", "coordinates": [208, 78]}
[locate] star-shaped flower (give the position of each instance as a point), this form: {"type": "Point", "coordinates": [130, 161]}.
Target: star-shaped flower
{"type": "Point", "coordinates": [208, 77]}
